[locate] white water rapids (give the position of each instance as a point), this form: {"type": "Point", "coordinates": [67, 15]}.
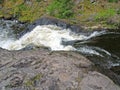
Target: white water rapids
{"type": "Point", "coordinates": [45, 35]}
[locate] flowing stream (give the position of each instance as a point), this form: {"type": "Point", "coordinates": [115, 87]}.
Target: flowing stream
{"type": "Point", "coordinates": [102, 47]}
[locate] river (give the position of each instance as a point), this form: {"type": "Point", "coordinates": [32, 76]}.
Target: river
{"type": "Point", "coordinates": [102, 47]}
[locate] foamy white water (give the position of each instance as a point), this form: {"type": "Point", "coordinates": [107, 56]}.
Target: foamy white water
{"type": "Point", "coordinates": [6, 33]}
{"type": "Point", "coordinates": [46, 35]}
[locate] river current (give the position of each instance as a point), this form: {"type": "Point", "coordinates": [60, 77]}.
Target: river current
{"type": "Point", "coordinates": [102, 47]}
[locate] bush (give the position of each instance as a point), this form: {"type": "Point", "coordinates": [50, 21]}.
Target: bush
{"type": "Point", "coordinates": [19, 10]}
{"type": "Point", "coordinates": [61, 8]}
{"type": "Point", "coordinates": [38, 0]}
{"type": "Point", "coordinates": [1, 1]}
{"type": "Point", "coordinates": [113, 1]}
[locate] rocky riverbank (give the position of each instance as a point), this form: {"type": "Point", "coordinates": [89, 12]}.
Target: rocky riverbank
{"type": "Point", "coordinates": [40, 69]}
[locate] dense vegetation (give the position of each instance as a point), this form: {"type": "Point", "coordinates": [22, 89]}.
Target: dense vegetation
{"type": "Point", "coordinates": [113, 1]}
{"type": "Point", "coordinates": [61, 8]}
{"type": "Point", "coordinates": [86, 12]}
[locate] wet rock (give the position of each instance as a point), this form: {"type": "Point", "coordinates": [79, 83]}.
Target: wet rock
{"type": "Point", "coordinates": [18, 27]}
{"type": "Point", "coordinates": [40, 69]}
{"type": "Point", "coordinates": [116, 69]}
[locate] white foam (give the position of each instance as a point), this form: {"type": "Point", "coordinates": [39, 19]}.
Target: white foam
{"type": "Point", "coordinates": [89, 50]}
{"type": "Point", "coordinates": [6, 34]}
{"type": "Point", "coordinates": [46, 35]}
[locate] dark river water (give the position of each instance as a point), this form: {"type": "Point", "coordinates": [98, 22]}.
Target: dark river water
{"type": "Point", "coordinates": [108, 47]}
{"type": "Point", "coordinates": [101, 47]}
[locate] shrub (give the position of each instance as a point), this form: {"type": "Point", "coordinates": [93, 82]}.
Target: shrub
{"type": "Point", "coordinates": [38, 0]}
{"type": "Point", "coordinates": [19, 10]}
{"type": "Point", "coordinates": [22, 7]}
{"type": "Point", "coordinates": [61, 8]}
{"type": "Point", "coordinates": [113, 1]}
{"type": "Point", "coordinates": [1, 1]}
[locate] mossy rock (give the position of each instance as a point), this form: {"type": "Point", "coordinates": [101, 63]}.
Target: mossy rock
{"type": "Point", "coordinates": [31, 82]}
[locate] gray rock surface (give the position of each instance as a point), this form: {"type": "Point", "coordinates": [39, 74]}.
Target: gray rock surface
{"type": "Point", "coordinates": [40, 69]}
{"type": "Point", "coordinates": [97, 81]}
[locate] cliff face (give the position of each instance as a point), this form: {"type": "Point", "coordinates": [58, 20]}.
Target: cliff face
{"type": "Point", "coordinates": [85, 12]}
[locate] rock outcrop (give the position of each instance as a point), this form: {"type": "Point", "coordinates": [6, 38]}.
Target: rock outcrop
{"type": "Point", "coordinates": [40, 69]}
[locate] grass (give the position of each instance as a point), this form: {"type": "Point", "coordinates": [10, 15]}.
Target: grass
{"type": "Point", "coordinates": [105, 14]}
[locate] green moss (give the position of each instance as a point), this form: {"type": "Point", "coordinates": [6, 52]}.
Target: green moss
{"type": "Point", "coordinates": [30, 83]}
{"type": "Point", "coordinates": [37, 77]}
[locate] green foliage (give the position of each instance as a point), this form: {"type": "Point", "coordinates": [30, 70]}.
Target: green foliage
{"type": "Point", "coordinates": [104, 14]}
{"type": "Point", "coordinates": [84, 12]}
{"type": "Point", "coordinates": [38, 0]}
{"type": "Point", "coordinates": [22, 7]}
{"type": "Point", "coordinates": [19, 9]}
{"type": "Point", "coordinates": [61, 8]}
{"type": "Point", "coordinates": [1, 1]}
{"type": "Point", "coordinates": [13, 0]}
{"type": "Point", "coordinates": [113, 1]}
